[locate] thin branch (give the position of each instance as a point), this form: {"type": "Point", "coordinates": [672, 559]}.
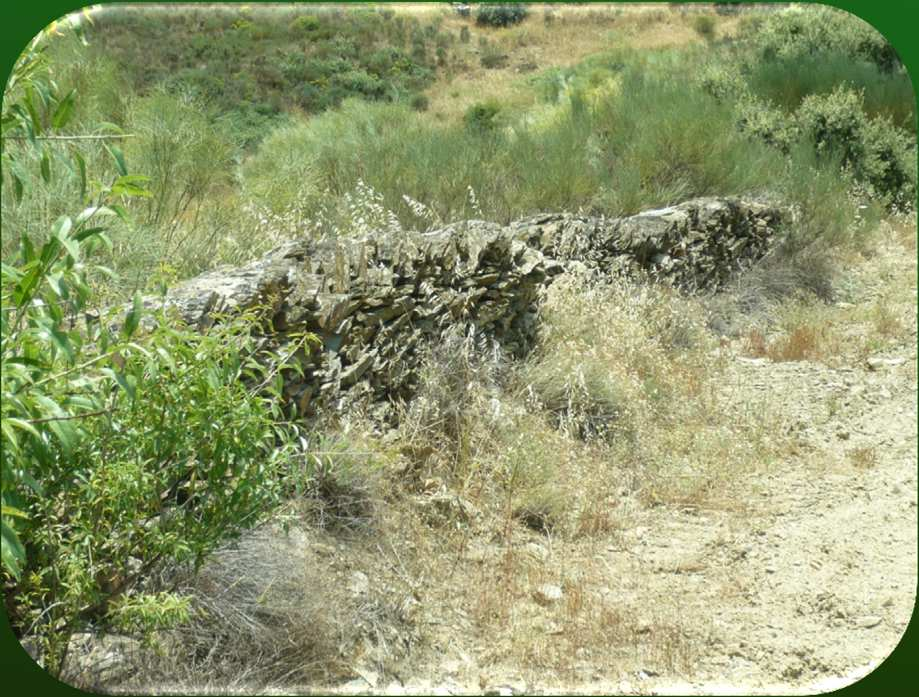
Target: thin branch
{"type": "Point", "coordinates": [280, 365]}
{"type": "Point", "coordinates": [69, 417]}
{"type": "Point", "coordinates": [94, 137]}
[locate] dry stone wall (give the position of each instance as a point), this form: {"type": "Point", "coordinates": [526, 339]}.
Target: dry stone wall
{"type": "Point", "coordinates": [373, 302]}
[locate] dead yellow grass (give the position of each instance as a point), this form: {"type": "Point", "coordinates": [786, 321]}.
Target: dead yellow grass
{"type": "Point", "coordinates": [876, 310]}
{"type": "Point", "coordinates": [538, 43]}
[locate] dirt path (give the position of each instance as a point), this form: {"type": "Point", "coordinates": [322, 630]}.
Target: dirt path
{"type": "Point", "coordinates": [808, 589]}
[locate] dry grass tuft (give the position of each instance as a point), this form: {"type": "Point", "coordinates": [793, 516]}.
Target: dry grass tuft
{"type": "Point", "coordinates": [803, 342]}
{"type": "Point", "coordinates": [864, 457]}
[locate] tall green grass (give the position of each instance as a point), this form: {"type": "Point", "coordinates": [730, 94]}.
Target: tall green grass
{"type": "Point", "coordinates": [622, 131]}
{"type": "Point", "coordinates": [655, 141]}
{"type": "Point", "coordinates": [787, 81]}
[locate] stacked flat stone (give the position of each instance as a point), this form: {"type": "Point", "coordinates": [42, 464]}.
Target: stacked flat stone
{"type": "Point", "coordinates": [374, 302]}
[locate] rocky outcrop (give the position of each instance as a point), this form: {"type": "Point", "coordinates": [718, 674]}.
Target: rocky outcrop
{"type": "Point", "coordinates": [373, 302]}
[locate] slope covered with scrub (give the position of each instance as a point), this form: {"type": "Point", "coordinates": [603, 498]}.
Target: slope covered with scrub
{"type": "Point", "coordinates": [648, 498]}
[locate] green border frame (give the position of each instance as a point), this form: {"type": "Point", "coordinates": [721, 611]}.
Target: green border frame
{"type": "Point", "coordinates": [895, 19]}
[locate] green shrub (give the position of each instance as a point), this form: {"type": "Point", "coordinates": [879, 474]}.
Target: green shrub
{"type": "Point", "coordinates": [182, 152]}
{"type": "Point", "coordinates": [482, 117]}
{"type": "Point", "coordinates": [724, 82]}
{"type": "Point", "coordinates": [359, 82]}
{"type": "Point", "coordinates": [317, 59]}
{"type": "Point", "coordinates": [123, 451]}
{"type": "Point", "coordinates": [665, 155]}
{"type": "Point", "coordinates": [877, 152]}
{"type": "Point", "coordinates": [727, 7]}
{"type": "Point", "coordinates": [489, 15]}
{"type": "Point", "coordinates": [787, 81]}
{"type": "Point", "coordinates": [419, 102]}
{"type": "Point", "coordinates": [766, 123]}
{"type": "Point", "coordinates": [304, 24]}
{"type": "Point", "coordinates": [808, 30]}
{"type": "Point", "coordinates": [704, 26]}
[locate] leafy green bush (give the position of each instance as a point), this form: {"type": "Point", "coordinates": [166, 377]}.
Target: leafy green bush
{"type": "Point", "coordinates": [807, 30]}
{"type": "Point", "coordinates": [482, 116]}
{"type": "Point", "coordinates": [231, 57]}
{"type": "Point", "coordinates": [725, 82]}
{"type": "Point", "coordinates": [123, 451]}
{"type": "Point", "coordinates": [787, 81]}
{"type": "Point", "coordinates": [662, 156]}
{"type": "Point", "coordinates": [877, 152]}
{"type": "Point", "coordinates": [767, 123]}
{"type": "Point", "coordinates": [419, 102]}
{"type": "Point", "coordinates": [489, 15]}
{"type": "Point", "coordinates": [704, 26]}
{"type": "Point", "coordinates": [304, 24]}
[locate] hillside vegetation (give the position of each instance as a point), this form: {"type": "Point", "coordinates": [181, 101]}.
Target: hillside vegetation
{"type": "Point", "coordinates": [136, 449]}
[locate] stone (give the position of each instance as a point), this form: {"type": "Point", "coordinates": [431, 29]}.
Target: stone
{"type": "Point", "coordinates": [879, 363]}
{"type": "Point", "coordinates": [547, 594]}
{"type": "Point", "coordinates": [98, 659]}
{"type": "Point", "coordinates": [358, 583]}
{"type": "Point", "coordinates": [537, 551]}
{"type": "Point", "coordinates": [370, 676]}
{"type": "Point", "coordinates": [868, 621]}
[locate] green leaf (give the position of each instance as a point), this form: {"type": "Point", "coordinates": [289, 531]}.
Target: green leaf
{"type": "Point", "coordinates": [49, 251]}
{"type": "Point", "coordinates": [93, 211]}
{"type": "Point", "coordinates": [131, 185]}
{"type": "Point", "coordinates": [13, 511]}
{"type": "Point", "coordinates": [128, 383]}
{"type": "Point", "coordinates": [81, 402]}
{"type": "Point", "coordinates": [12, 441]}
{"type": "Point", "coordinates": [62, 227]}
{"type": "Point", "coordinates": [29, 101]}
{"type": "Point", "coordinates": [133, 317]}
{"type": "Point", "coordinates": [88, 232]}
{"type": "Point", "coordinates": [8, 122]}
{"type": "Point", "coordinates": [121, 213]}
{"type": "Point", "coordinates": [17, 187]}
{"type": "Point", "coordinates": [45, 166]}
{"type": "Point", "coordinates": [30, 481]}
{"type": "Point", "coordinates": [10, 273]}
{"type": "Point", "coordinates": [111, 127]}
{"type": "Point", "coordinates": [19, 177]}
{"type": "Point", "coordinates": [26, 249]}
{"type": "Point", "coordinates": [14, 554]}
{"type": "Point", "coordinates": [23, 425]}
{"type": "Point", "coordinates": [116, 153]}
{"type": "Point", "coordinates": [66, 434]}
{"type": "Point", "coordinates": [22, 293]}
{"type": "Point", "coordinates": [57, 285]}
{"type": "Point", "coordinates": [81, 166]}
{"type": "Point", "coordinates": [25, 360]}
{"type": "Point", "coordinates": [104, 270]}
{"type": "Point", "coordinates": [60, 340]}
{"type": "Point", "coordinates": [61, 232]}
{"type": "Point", "coordinates": [64, 111]}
